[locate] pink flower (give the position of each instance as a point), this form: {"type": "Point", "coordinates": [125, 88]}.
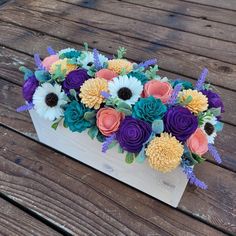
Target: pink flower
{"type": "Point", "coordinates": [158, 89]}
{"type": "Point", "coordinates": [48, 61]}
{"type": "Point", "coordinates": [106, 74]}
{"type": "Point", "coordinates": [198, 142]}
{"type": "Point", "coordinates": [108, 120]}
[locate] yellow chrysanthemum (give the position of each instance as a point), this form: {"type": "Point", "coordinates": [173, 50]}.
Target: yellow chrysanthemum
{"type": "Point", "coordinates": [164, 153]}
{"type": "Point", "coordinates": [90, 92]}
{"type": "Point", "coordinates": [118, 65]}
{"type": "Point", "coordinates": [65, 66]}
{"type": "Point", "coordinates": [198, 103]}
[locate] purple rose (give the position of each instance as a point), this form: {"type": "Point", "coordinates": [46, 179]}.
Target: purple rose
{"type": "Point", "coordinates": [214, 100]}
{"type": "Point", "coordinates": [29, 88]}
{"type": "Point", "coordinates": [133, 133]}
{"type": "Point", "coordinates": [75, 79]}
{"type": "Point", "coordinates": [180, 122]}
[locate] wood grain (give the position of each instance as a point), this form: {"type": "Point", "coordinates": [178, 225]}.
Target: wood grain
{"type": "Point", "coordinates": [15, 222]}
{"type": "Point", "coordinates": [82, 199]}
{"type": "Point", "coordinates": [29, 41]}
{"type": "Point", "coordinates": [202, 12]}
{"type": "Point", "coordinates": [163, 18]}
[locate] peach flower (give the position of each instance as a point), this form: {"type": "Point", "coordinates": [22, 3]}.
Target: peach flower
{"type": "Point", "coordinates": [197, 142]}
{"type": "Point", "coordinates": [158, 89]}
{"type": "Point", "coordinates": [106, 74]}
{"type": "Point", "coordinates": [48, 61]}
{"type": "Point", "coordinates": [108, 120]}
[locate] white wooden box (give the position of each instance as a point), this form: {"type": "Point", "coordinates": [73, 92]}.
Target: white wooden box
{"type": "Point", "coordinates": [165, 187]}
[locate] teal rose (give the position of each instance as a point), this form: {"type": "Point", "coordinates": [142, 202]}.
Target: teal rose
{"type": "Point", "coordinates": [140, 76]}
{"type": "Point", "coordinates": [74, 117]}
{"type": "Point", "coordinates": [185, 84]}
{"type": "Point", "coordinates": [149, 109]}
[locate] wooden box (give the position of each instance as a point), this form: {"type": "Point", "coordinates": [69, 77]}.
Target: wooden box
{"type": "Point", "coordinates": [165, 187]}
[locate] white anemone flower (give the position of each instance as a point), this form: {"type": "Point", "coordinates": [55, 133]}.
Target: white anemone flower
{"type": "Point", "coordinates": [208, 126]}
{"type": "Point", "coordinates": [127, 89]}
{"type": "Point", "coordinates": [48, 101]}
{"type": "Point", "coordinates": [87, 59]}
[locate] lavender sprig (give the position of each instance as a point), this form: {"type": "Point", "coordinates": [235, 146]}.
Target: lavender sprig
{"type": "Point", "coordinates": [107, 142]}
{"type": "Point", "coordinates": [213, 151]}
{"type": "Point", "coordinates": [51, 51]}
{"type": "Point", "coordinates": [147, 63]}
{"type": "Point", "coordinates": [38, 61]}
{"type": "Point", "coordinates": [201, 79]}
{"type": "Point", "coordinates": [26, 107]}
{"type": "Point", "coordinates": [174, 95]}
{"type": "Point", "coordinates": [96, 60]}
{"type": "Point", "coordinates": [105, 94]}
{"type": "Point", "coordinates": [188, 170]}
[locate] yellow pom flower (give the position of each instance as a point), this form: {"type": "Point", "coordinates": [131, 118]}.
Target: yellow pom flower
{"type": "Point", "coordinates": [66, 68]}
{"type": "Point", "coordinates": [117, 65]}
{"type": "Point", "coordinates": [90, 92]}
{"type": "Point", "coordinates": [199, 101]}
{"type": "Point", "coordinates": [164, 153]}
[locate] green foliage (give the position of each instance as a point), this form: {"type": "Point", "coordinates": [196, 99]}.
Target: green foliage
{"type": "Point", "coordinates": [198, 158]}
{"type": "Point", "coordinates": [152, 72]}
{"type": "Point", "coordinates": [27, 72]}
{"type": "Point", "coordinates": [56, 123]}
{"type": "Point", "coordinates": [121, 51]}
{"type": "Point", "coordinates": [59, 75]}
{"type": "Point", "coordinates": [129, 158]}
{"type": "Point", "coordinates": [215, 111]}
{"type": "Point", "coordinates": [86, 46]}
{"type": "Point", "coordinates": [120, 149]}
{"type": "Point", "coordinates": [92, 132]}
{"type": "Point", "coordinates": [141, 156]}
{"type": "Point", "coordinates": [187, 100]}
{"type": "Point", "coordinates": [73, 93]}
{"type": "Point", "coordinates": [42, 75]}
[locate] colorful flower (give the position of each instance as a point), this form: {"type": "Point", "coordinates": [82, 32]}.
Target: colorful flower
{"type": "Point", "coordinates": [140, 76]}
{"type": "Point", "coordinates": [48, 61]}
{"type": "Point", "coordinates": [180, 122]}
{"type": "Point", "coordinates": [164, 153]}
{"type": "Point", "coordinates": [74, 117]}
{"type": "Point", "coordinates": [128, 89]}
{"type": "Point", "coordinates": [69, 53]}
{"type": "Point", "coordinates": [199, 102]}
{"type": "Point", "coordinates": [214, 100]}
{"type": "Point", "coordinates": [29, 88]}
{"type": "Point", "coordinates": [149, 109]}
{"type": "Point", "coordinates": [106, 74]}
{"type": "Point", "coordinates": [208, 127]}
{"type": "Point", "coordinates": [108, 120]}
{"type": "Point", "coordinates": [74, 80]}
{"type": "Point", "coordinates": [158, 89]}
{"type": "Point", "coordinates": [132, 134]}
{"type": "Point", "coordinates": [185, 84]}
{"type": "Point", "coordinates": [197, 142]}
{"type": "Point", "coordinates": [48, 101]}
{"type": "Point", "coordinates": [65, 67]}
{"type": "Point", "coordinates": [90, 92]}
{"type": "Point", "coordinates": [119, 65]}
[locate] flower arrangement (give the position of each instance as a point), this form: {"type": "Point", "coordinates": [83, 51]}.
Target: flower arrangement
{"type": "Point", "coordinates": [169, 122]}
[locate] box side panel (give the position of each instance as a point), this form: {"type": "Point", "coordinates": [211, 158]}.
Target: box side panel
{"type": "Point", "coordinates": [165, 187]}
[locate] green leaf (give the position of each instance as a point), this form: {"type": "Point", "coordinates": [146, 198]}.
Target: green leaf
{"type": "Point", "coordinates": [198, 158]}
{"type": "Point", "coordinates": [73, 93]}
{"type": "Point", "coordinates": [124, 105]}
{"type": "Point", "coordinates": [215, 111]}
{"type": "Point", "coordinates": [100, 137]}
{"type": "Point", "coordinates": [187, 100]}
{"type": "Point", "coordinates": [129, 158]}
{"type": "Point", "coordinates": [92, 132]}
{"type": "Point", "coordinates": [86, 46]}
{"type": "Point", "coordinates": [157, 126]}
{"type": "Point", "coordinates": [125, 111]}
{"type": "Point", "coordinates": [123, 71]}
{"type": "Point", "coordinates": [89, 115]}
{"type": "Point", "coordinates": [27, 72]}
{"type": "Point", "coordinates": [56, 123]}
{"type": "Point", "coordinates": [42, 75]}
{"type": "Point", "coordinates": [120, 149]}
{"type": "Point", "coordinates": [141, 156]}
{"type": "Point", "coordinates": [121, 51]}
{"type": "Point", "coordinates": [113, 144]}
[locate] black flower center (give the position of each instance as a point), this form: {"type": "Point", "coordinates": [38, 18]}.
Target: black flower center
{"type": "Point", "coordinates": [51, 99]}
{"type": "Point", "coordinates": [90, 64]}
{"type": "Point", "coordinates": [124, 93]}
{"type": "Point", "coordinates": [209, 128]}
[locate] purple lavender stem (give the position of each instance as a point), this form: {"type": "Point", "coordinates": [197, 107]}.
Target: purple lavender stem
{"type": "Point", "coordinates": [107, 142]}
{"type": "Point", "coordinates": [97, 63]}
{"type": "Point", "coordinates": [38, 61]}
{"type": "Point", "coordinates": [26, 107]}
{"type": "Point", "coordinates": [51, 51]}
{"type": "Point", "coordinates": [105, 94]}
{"type": "Point", "coordinates": [174, 94]}
{"type": "Point", "coordinates": [213, 151]}
{"type": "Point", "coordinates": [147, 63]}
{"type": "Point", "coordinates": [201, 79]}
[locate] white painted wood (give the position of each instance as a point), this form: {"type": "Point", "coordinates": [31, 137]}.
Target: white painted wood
{"type": "Point", "coordinates": [165, 187]}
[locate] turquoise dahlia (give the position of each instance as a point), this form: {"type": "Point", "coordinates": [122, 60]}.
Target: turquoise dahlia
{"type": "Point", "coordinates": [74, 117]}
{"type": "Point", "coordinates": [149, 109]}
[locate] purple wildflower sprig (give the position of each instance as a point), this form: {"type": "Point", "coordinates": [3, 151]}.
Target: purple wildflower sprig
{"type": "Point", "coordinates": [213, 151]}
{"type": "Point", "coordinates": [96, 60]}
{"type": "Point", "coordinates": [105, 94]}
{"type": "Point", "coordinates": [108, 141]}
{"type": "Point", "coordinates": [38, 61]}
{"type": "Point", "coordinates": [147, 63]}
{"type": "Point", "coordinates": [174, 95]}
{"type": "Point", "coordinates": [25, 107]}
{"type": "Point", "coordinates": [188, 170]}
{"type": "Point", "coordinates": [201, 79]}
{"type": "Point", "coordinates": [51, 51]}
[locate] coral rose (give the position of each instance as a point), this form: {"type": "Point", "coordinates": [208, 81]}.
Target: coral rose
{"type": "Point", "coordinates": [197, 142]}
{"type": "Point", "coordinates": [106, 74]}
{"type": "Point", "coordinates": [108, 120]}
{"type": "Point", "coordinates": [158, 89]}
{"type": "Point", "coordinates": [48, 61]}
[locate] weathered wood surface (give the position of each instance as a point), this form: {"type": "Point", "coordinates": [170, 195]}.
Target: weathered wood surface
{"type": "Point", "coordinates": [15, 222]}
{"type": "Point", "coordinates": [74, 197]}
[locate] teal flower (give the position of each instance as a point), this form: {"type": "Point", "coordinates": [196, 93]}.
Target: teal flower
{"type": "Point", "coordinates": [74, 117]}
{"type": "Point", "coordinates": [185, 84]}
{"type": "Point", "coordinates": [69, 53]}
{"type": "Point", "coordinates": [140, 76]}
{"type": "Point", "coordinates": [149, 109]}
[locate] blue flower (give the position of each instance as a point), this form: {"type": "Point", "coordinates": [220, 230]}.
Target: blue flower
{"type": "Point", "coordinates": [149, 109]}
{"type": "Point", "coordinates": [74, 117]}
